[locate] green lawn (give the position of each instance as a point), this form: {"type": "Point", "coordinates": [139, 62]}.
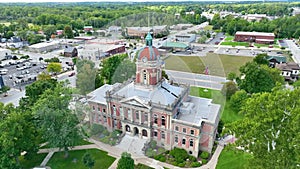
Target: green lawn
{"type": "Point", "coordinates": [229, 38]}
{"type": "Point", "coordinates": [228, 115]}
{"type": "Point", "coordinates": [33, 161]}
{"type": "Point", "coordinates": [235, 43]}
{"type": "Point", "coordinates": [74, 161]}
{"type": "Point", "coordinates": [218, 64]}
{"type": "Point", "coordinates": [142, 166]}
{"type": "Point", "coordinates": [80, 143]}
{"type": "Point", "coordinates": [233, 159]}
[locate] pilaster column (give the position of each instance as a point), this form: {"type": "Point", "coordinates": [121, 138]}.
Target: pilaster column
{"type": "Point", "coordinates": [140, 117]}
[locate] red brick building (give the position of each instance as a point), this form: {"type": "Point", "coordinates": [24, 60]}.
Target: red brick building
{"type": "Point", "coordinates": [257, 37]}
{"type": "Point", "coordinates": [153, 109]}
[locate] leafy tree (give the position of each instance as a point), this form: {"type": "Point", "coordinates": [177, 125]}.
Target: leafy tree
{"type": "Point", "coordinates": [49, 30]}
{"type": "Point", "coordinates": [125, 162]}
{"type": "Point", "coordinates": [68, 32]}
{"type": "Point", "coordinates": [88, 160]}
{"type": "Point", "coordinates": [238, 99]}
{"type": "Point", "coordinates": [43, 76]}
{"type": "Point", "coordinates": [54, 67]}
{"type": "Point", "coordinates": [231, 76]}
{"type": "Point", "coordinates": [270, 129]}
{"type": "Point", "coordinates": [254, 79]}
{"type": "Point", "coordinates": [164, 74]}
{"type": "Point", "coordinates": [296, 84]}
{"type": "Point", "coordinates": [109, 67]}
{"type": "Point", "coordinates": [4, 89]}
{"type": "Point", "coordinates": [58, 125]}
{"type": "Point", "coordinates": [16, 130]}
{"type": "Point", "coordinates": [228, 89]}
{"type": "Point", "coordinates": [9, 34]}
{"type": "Point", "coordinates": [124, 71]}
{"type": "Point", "coordinates": [261, 59]}
{"type": "Point", "coordinates": [34, 38]}
{"type": "Point", "coordinates": [5, 110]}
{"type": "Point", "coordinates": [54, 59]}
{"type": "Point", "coordinates": [85, 80]}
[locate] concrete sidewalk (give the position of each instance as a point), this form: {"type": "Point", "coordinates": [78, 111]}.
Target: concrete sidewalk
{"type": "Point", "coordinates": [138, 158]}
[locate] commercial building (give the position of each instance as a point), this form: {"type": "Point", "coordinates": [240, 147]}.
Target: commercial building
{"type": "Point", "coordinates": [44, 46]}
{"type": "Point", "coordinates": [185, 38]}
{"type": "Point", "coordinates": [142, 31]}
{"type": "Point", "coordinates": [257, 37]}
{"type": "Point", "coordinates": [150, 107]}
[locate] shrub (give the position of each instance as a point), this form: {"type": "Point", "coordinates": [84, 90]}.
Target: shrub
{"type": "Point", "coordinates": [150, 152]}
{"type": "Point", "coordinates": [153, 144]}
{"type": "Point", "coordinates": [174, 163]}
{"type": "Point", "coordinates": [204, 161]}
{"type": "Point", "coordinates": [162, 159]}
{"type": "Point", "coordinates": [106, 133]}
{"type": "Point", "coordinates": [97, 129]}
{"type": "Point", "coordinates": [195, 164]}
{"type": "Point", "coordinates": [192, 158]}
{"type": "Point", "coordinates": [161, 150]}
{"type": "Point", "coordinates": [204, 155]}
{"type": "Point", "coordinates": [180, 155]}
{"type": "Point", "coordinates": [181, 164]}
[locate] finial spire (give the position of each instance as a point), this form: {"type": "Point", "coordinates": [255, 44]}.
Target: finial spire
{"type": "Point", "coordinates": [148, 39]}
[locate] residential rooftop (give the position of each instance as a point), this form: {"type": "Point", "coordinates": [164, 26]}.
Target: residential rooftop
{"type": "Point", "coordinates": [255, 33]}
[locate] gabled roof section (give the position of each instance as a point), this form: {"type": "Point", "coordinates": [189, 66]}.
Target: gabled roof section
{"type": "Point", "coordinates": [135, 101]}
{"type": "Point", "coordinates": [280, 59]}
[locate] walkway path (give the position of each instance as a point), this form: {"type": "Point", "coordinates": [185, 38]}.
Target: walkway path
{"type": "Point", "coordinates": [116, 152]}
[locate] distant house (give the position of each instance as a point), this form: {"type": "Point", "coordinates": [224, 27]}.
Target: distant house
{"type": "Point", "coordinates": [255, 17]}
{"type": "Point", "coordinates": [88, 28]}
{"type": "Point", "coordinates": [257, 37]}
{"type": "Point", "coordinates": [290, 70]}
{"type": "Point", "coordinates": [273, 60]}
{"type": "Point", "coordinates": [70, 51]}
{"type": "Point", "coordinates": [4, 53]}
{"type": "Point", "coordinates": [59, 32]}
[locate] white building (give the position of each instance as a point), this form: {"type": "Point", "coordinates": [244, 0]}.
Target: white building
{"type": "Point", "coordinates": [4, 53]}
{"type": "Point", "coordinates": [44, 46]}
{"type": "Point", "coordinates": [185, 38]}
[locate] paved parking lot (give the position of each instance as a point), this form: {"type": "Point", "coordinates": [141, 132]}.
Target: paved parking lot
{"type": "Point", "coordinates": [246, 52]}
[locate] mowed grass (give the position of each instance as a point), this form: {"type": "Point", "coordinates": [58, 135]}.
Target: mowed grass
{"type": "Point", "coordinates": [74, 161]}
{"type": "Point", "coordinates": [235, 43]}
{"type": "Point", "coordinates": [233, 159]}
{"type": "Point", "coordinates": [229, 38]}
{"type": "Point", "coordinates": [218, 64]}
{"type": "Point", "coordinates": [32, 161]}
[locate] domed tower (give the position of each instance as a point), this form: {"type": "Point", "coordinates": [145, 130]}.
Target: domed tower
{"type": "Point", "coordinates": [148, 64]}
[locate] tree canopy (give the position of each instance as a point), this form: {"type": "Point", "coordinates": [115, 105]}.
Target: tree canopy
{"type": "Point", "coordinates": [126, 162]}
{"type": "Point", "coordinates": [270, 129]}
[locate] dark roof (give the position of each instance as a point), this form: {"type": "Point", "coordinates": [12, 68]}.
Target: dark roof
{"type": "Point", "coordinates": [280, 59]}
{"type": "Point", "coordinates": [69, 49]}
{"type": "Point", "coordinates": [288, 66]}
{"type": "Point", "coordinates": [1, 82]}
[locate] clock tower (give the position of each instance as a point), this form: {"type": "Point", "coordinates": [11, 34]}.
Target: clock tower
{"type": "Point", "coordinates": [148, 64]}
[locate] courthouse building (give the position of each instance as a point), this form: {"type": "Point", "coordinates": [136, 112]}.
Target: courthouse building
{"type": "Point", "coordinates": [151, 108]}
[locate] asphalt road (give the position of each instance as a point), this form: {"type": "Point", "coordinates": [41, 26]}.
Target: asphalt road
{"type": "Point", "coordinates": [295, 50]}
{"type": "Point", "coordinates": [206, 81]}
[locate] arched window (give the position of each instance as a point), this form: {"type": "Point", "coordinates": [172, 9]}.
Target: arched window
{"type": "Point", "coordinates": [155, 119]}
{"type": "Point", "coordinates": [191, 142]}
{"type": "Point", "coordinates": [163, 120]}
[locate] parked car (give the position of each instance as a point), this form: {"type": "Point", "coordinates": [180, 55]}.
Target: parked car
{"type": "Point", "coordinates": [71, 74]}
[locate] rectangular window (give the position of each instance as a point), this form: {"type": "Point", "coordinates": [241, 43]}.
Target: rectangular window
{"type": "Point", "coordinates": [176, 139]}
{"type": "Point", "coordinates": [146, 117]}
{"type": "Point", "coordinates": [99, 109]}
{"type": "Point", "coordinates": [155, 133]}
{"type": "Point", "coordinates": [137, 115]}
{"type": "Point", "coordinates": [183, 141]}
{"type": "Point", "coordinates": [192, 132]}
{"type": "Point", "coordinates": [184, 130]}
{"type": "Point", "coordinates": [176, 128]}
{"type": "Point", "coordinates": [103, 110]}
{"type": "Point", "coordinates": [93, 107]}
{"type": "Point", "coordinates": [163, 135]}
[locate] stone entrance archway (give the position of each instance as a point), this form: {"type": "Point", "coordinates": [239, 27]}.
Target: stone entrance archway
{"type": "Point", "coordinates": [135, 131]}
{"type": "Point", "coordinates": [127, 128]}
{"type": "Point", "coordinates": [144, 133]}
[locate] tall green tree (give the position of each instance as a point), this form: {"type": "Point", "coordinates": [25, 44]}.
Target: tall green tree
{"type": "Point", "coordinates": [59, 126]}
{"type": "Point", "coordinates": [18, 134]}
{"type": "Point", "coordinates": [124, 71]}
{"type": "Point", "coordinates": [54, 67]}
{"type": "Point", "coordinates": [228, 89]}
{"type": "Point", "coordinates": [86, 76]}
{"type": "Point", "coordinates": [254, 79]}
{"type": "Point", "coordinates": [68, 32]}
{"type": "Point", "coordinates": [270, 129]}
{"type": "Point", "coordinates": [125, 162]}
